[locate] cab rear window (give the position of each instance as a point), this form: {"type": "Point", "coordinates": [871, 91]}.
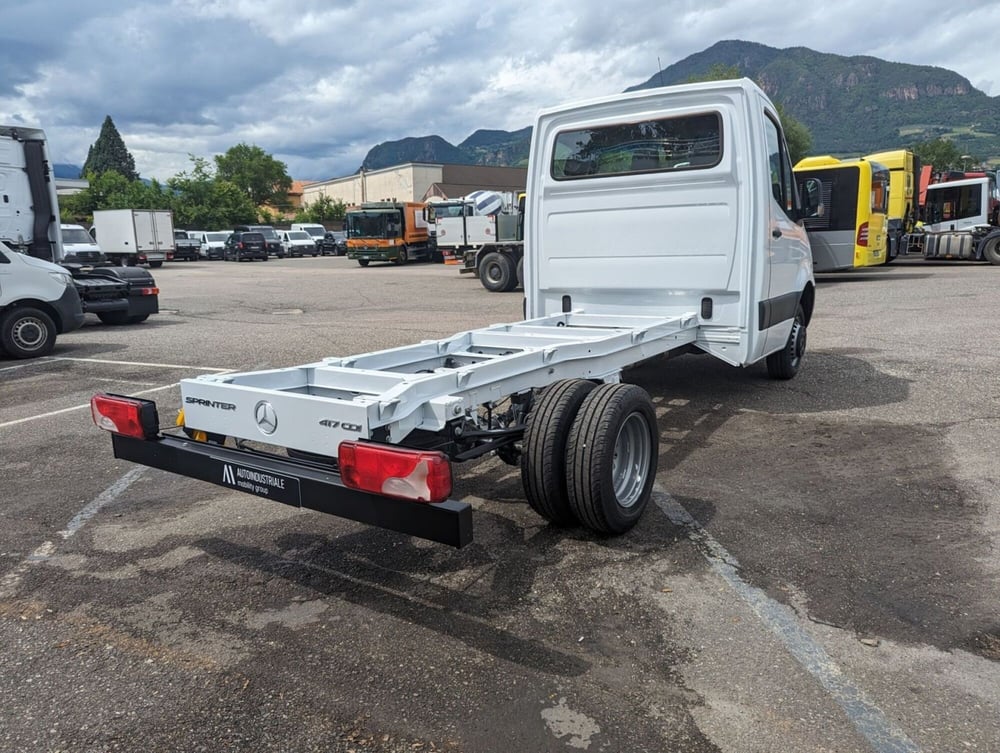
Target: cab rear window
{"type": "Point", "coordinates": [678, 143]}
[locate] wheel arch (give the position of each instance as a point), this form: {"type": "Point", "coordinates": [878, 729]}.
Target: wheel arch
{"type": "Point", "coordinates": [37, 304]}
{"type": "Point", "coordinates": [808, 300]}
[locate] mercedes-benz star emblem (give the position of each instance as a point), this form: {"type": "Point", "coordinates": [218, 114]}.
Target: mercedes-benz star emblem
{"type": "Point", "coordinates": [267, 419]}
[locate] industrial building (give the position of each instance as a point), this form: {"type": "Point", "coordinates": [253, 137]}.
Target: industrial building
{"type": "Point", "coordinates": [416, 181]}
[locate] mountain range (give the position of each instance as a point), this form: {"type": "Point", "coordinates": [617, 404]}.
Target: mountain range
{"type": "Point", "coordinates": [851, 106]}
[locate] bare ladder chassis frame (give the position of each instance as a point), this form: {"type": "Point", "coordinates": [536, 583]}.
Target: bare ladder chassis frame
{"type": "Point", "coordinates": [407, 388]}
{"type": "Point", "coordinates": [399, 390]}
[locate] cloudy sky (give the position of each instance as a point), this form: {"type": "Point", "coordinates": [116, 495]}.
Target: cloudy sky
{"type": "Point", "coordinates": [317, 83]}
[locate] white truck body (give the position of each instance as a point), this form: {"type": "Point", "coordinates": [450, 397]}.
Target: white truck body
{"type": "Point", "coordinates": [38, 299]}
{"type": "Point", "coordinates": [135, 236]}
{"type": "Point", "coordinates": [688, 238]}
{"type": "Point", "coordinates": [960, 221]}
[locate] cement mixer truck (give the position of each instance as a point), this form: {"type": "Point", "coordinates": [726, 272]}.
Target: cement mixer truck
{"type": "Point", "coordinates": [484, 232]}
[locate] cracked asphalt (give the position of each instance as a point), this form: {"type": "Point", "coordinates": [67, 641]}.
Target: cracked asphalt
{"type": "Point", "coordinates": [818, 571]}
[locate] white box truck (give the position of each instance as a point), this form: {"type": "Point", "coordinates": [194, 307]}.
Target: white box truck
{"type": "Point", "coordinates": [661, 221]}
{"type": "Point", "coordinates": [135, 236]}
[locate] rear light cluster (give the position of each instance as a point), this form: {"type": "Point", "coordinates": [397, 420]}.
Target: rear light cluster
{"type": "Point", "coordinates": [417, 475]}
{"type": "Point", "coordinates": [125, 415]}
{"type": "Point", "coordinates": [148, 291]}
{"type": "Point", "coordinates": [863, 234]}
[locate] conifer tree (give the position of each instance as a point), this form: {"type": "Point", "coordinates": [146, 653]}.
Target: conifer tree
{"type": "Point", "coordinates": [109, 153]}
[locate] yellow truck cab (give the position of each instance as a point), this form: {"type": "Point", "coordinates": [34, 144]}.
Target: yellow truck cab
{"type": "Point", "coordinates": [850, 231]}
{"type": "Point", "coordinates": [904, 196]}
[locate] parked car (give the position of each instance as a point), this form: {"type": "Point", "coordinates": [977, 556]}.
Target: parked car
{"type": "Point", "coordinates": [270, 237]}
{"type": "Point", "coordinates": [315, 230]}
{"type": "Point", "coordinates": [211, 243]}
{"type": "Point", "coordinates": [245, 245]}
{"type": "Point", "coordinates": [186, 248]}
{"type": "Point", "coordinates": [297, 243]}
{"type": "Point", "coordinates": [334, 243]}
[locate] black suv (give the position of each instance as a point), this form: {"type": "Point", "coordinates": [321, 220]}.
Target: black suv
{"type": "Point", "coordinates": [245, 245]}
{"type": "Point", "coordinates": [334, 243]}
{"type": "Point", "coordinates": [271, 238]}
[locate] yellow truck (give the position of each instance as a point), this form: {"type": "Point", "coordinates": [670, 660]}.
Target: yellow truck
{"type": "Point", "coordinates": [904, 196]}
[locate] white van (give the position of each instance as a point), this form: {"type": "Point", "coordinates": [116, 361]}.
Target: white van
{"type": "Point", "coordinates": [78, 246]}
{"type": "Point", "coordinates": [315, 230]}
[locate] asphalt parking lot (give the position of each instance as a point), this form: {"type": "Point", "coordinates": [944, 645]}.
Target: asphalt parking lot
{"type": "Point", "coordinates": [818, 571]}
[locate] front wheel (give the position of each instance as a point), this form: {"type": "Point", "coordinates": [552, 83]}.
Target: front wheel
{"type": "Point", "coordinates": [363, 262]}
{"type": "Point", "coordinates": [611, 456]}
{"type": "Point", "coordinates": [27, 332]}
{"type": "Point", "coordinates": [402, 257]}
{"type": "Point", "coordinates": [785, 363]}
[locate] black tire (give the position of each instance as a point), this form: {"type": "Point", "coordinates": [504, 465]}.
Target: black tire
{"type": "Point", "coordinates": [402, 257]}
{"type": "Point", "coordinates": [543, 453]}
{"type": "Point", "coordinates": [785, 363]}
{"type": "Point", "coordinates": [138, 318]}
{"type": "Point", "coordinates": [27, 332]}
{"type": "Point", "coordinates": [991, 250]}
{"type": "Point", "coordinates": [363, 262]}
{"type": "Point", "coordinates": [155, 264]}
{"type": "Point", "coordinates": [611, 456]}
{"type": "Point", "coordinates": [497, 273]}
{"type": "Point", "coordinates": [520, 273]}
{"type": "Point", "coordinates": [265, 257]}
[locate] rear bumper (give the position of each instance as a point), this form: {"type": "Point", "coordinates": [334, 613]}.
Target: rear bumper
{"type": "Point", "coordinates": [299, 484]}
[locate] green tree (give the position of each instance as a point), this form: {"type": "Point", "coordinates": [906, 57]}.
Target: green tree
{"type": "Point", "coordinates": [260, 176]}
{"type": "Point", "coordinates": [111, 190]}
{"type": "Point", "coordinates": [202, 200]}
{"type": "Point", "coordinates": [797, 135]}
{"type": "Point", "coordinates": [941, 153]}
{"type": "Point", "coordinates": [109, 153]}
{"type": "Point", "coordinates": [324, 209]}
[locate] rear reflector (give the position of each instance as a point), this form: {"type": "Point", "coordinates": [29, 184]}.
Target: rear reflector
{"type": "Point", "coordinates": [417, 475]}
{"type": "Point", "coordinates": [125, 415]}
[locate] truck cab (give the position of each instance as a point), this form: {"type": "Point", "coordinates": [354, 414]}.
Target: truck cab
{"type": "Point", "coordinates": [666, 201]}
{"type": "Point", "coordinates": [388, 231]}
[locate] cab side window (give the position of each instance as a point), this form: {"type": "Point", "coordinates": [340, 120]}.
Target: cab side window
{"type": "Point", "coordinates": [782, 183]}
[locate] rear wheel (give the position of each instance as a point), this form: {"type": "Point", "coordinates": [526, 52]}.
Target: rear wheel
{"type": "Point", "coordinates": [156, 264]}
{"type": "Point", "coordinates": [543, 455]}
{"type": "Point", "coordinates": [611, 456]}
{"type": "Point", "coordinates": [497, 273]}
{"type": "Point", "coordinates": [991, 251]}
{"type": "Point", "coordinates": [520, 273]}
{"type": "Point", "coordinates": [785, 363]}
{"type": "Point", "coordinates": [27, 332]}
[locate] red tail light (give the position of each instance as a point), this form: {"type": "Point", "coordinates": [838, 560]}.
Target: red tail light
{"type": "Point", "coordinates": [418, 475]}
{"type": "Point", "coordinates": [149, 291]}
{"type": "Point", "coordinates": [125, 415]}
{"type": "Point", "coordinates": [863, 234]}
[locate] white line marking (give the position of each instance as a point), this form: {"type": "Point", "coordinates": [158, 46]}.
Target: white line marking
{"type": "Point", "coordinates": [76, 407]}
{"type": "Point", "coordinates": [868, 719]}
{"type": "Point", "coordinates": [12, 580]}
{"type": "Point", "coordinates": [25, 365]}
{"type": "Point", "coordinates": [139, 363]}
